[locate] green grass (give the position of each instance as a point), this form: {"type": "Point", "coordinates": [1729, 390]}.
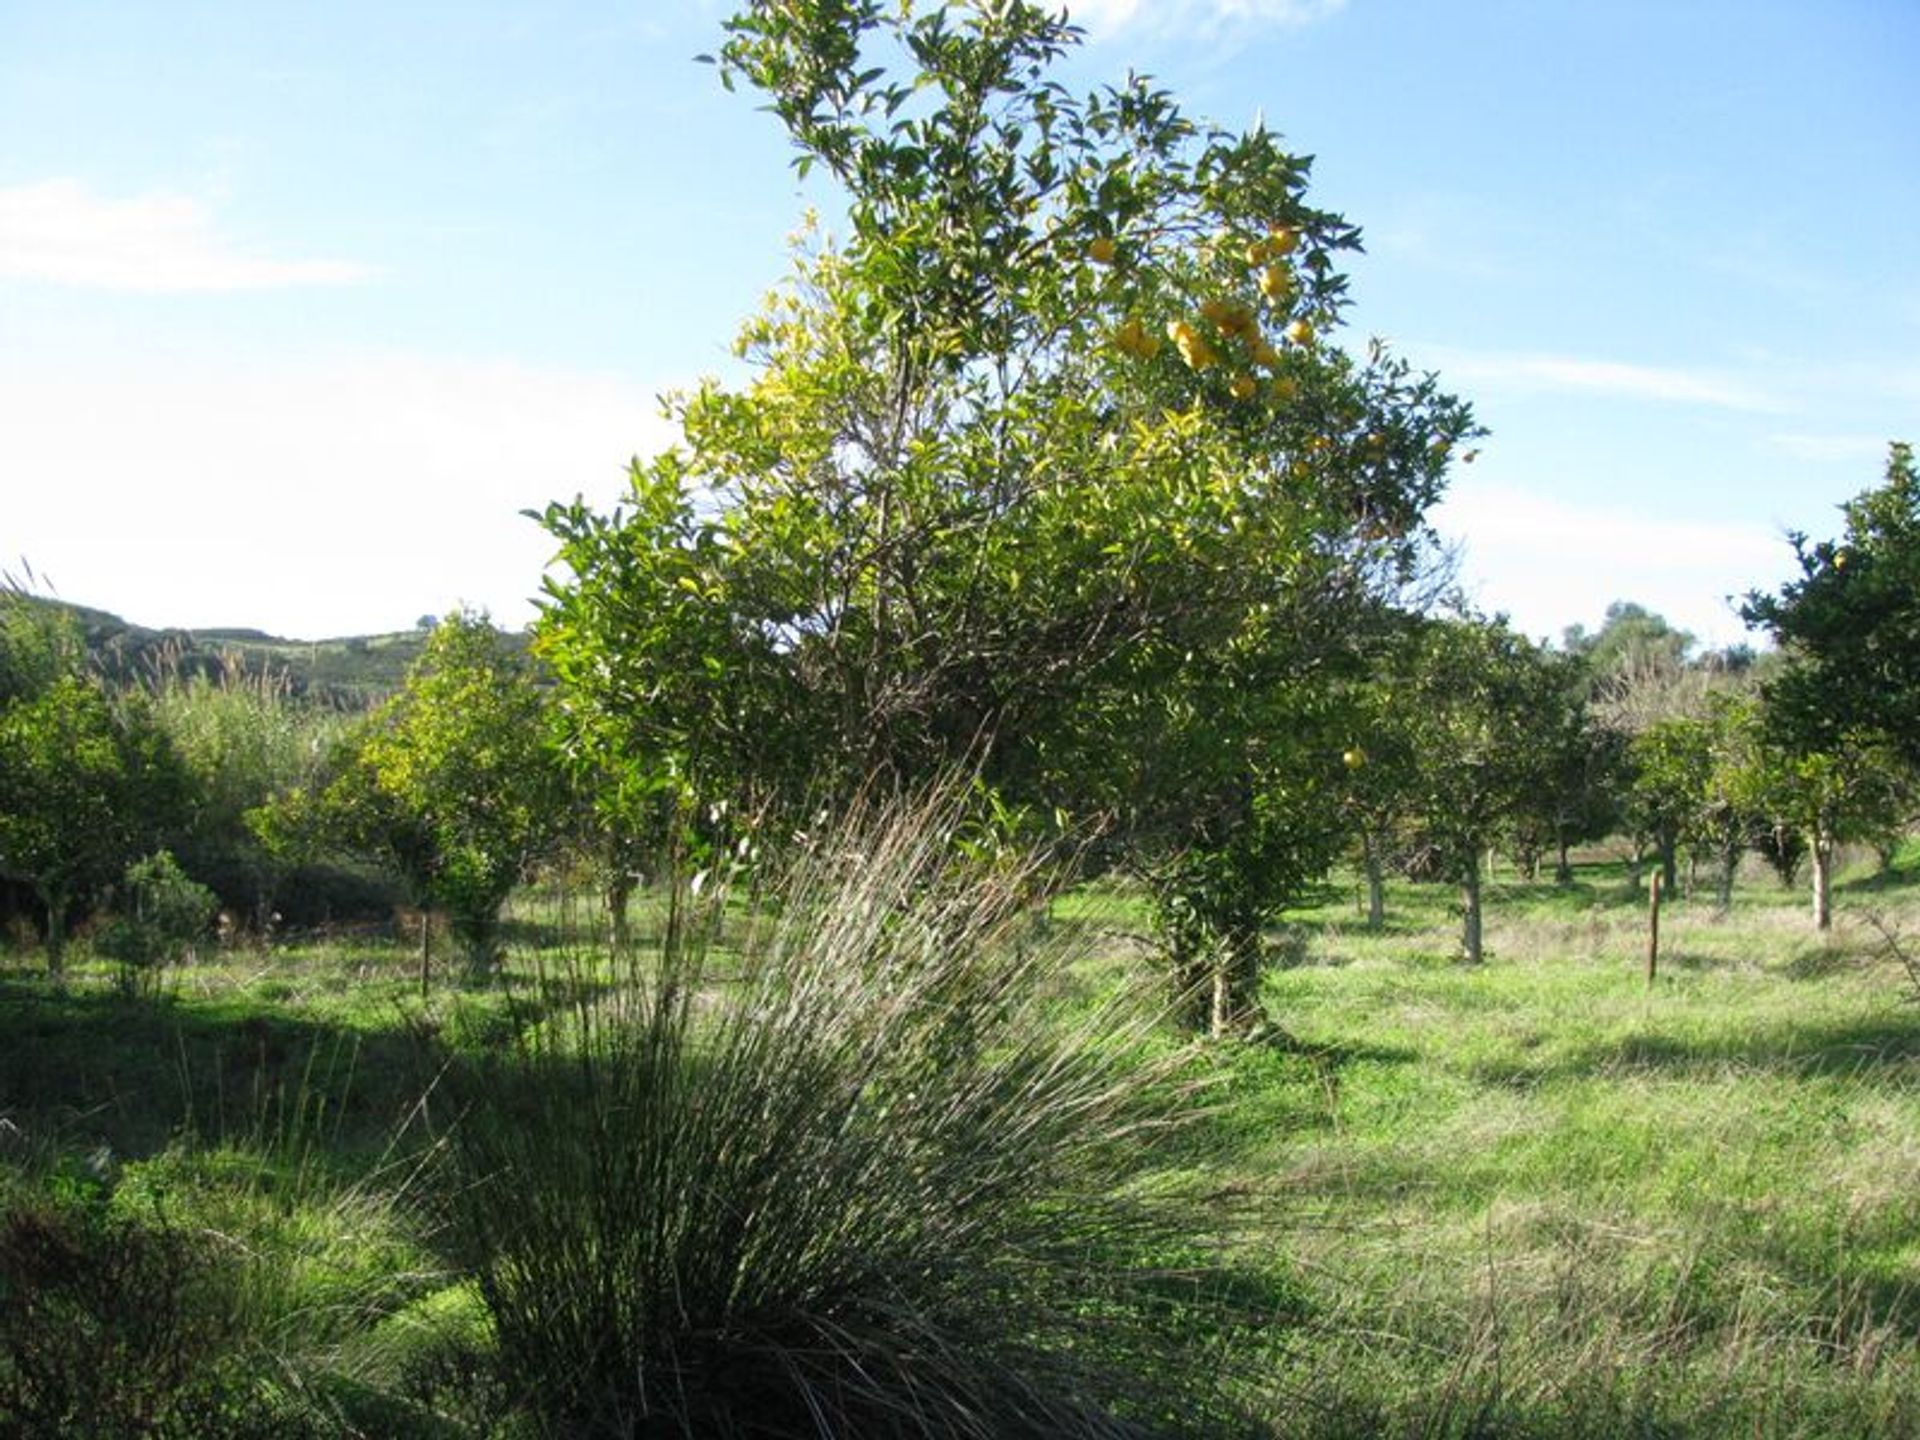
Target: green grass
{"type": "Point", "coordinates": [1536, 1198]}
{"type": "Point", "coordinates": [1541, 1198]}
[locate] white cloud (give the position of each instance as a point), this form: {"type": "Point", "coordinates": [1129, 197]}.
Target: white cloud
{"type": "Point", "coordinates": [1104, 17]}
{"type": "Point", "coordinates": [1584, 375]}
{"type": "Point", "coordinates": [314, 499]}
{"type": "Point", "coordinates": [1834, 448]}
{"type": "Point", "coordinates": [1549, 563]}
{"type": "Point", "coordinates": [59, 231]}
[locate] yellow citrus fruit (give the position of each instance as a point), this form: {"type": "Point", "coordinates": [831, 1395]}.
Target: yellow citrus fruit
{"type": "Point", "coordinates": [1192, 345]}
{"type": "Point", "coordinates": [1285, 387]}
{"type": "Point", "coordinates": [1300, 333]}
{"type": "Point", "coordinates": [1243, 387]}
{"type": "Point", "coordinates": [1230, 317]}
{"type": "Point", "coordinates": [1276, 282]}
{"type": "Point", "coordinates": [1102, 251]}
{"type": "Point", "coordinates": [1258, 252]}
{"type": "Point", "coordinates": [1264, 355]}
{"type": "Point", "coordinates": [1283, 240]}
{"type": "Point", "coordinates": [1135, 339]}
{"type": "Point", "coordinates": [1353, 759]}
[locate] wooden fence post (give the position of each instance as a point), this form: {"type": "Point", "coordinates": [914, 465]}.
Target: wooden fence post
{"type": "Point", "coordinates": [1653, 930]}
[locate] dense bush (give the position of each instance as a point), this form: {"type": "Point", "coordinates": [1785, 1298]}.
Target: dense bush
{"type": "Point", "coordinates": [163, 914]}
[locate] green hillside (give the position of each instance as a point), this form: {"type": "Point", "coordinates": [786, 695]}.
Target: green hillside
{"type": "Point", "coordinates": [352, 671]}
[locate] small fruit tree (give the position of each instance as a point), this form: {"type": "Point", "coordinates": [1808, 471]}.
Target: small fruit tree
{"type": "Point", "coordinates": [1486, 708]}
{"type": "Point", "coordinates": [450, 783]}
{"type": "Point", "coordinates": [1048, 467]}
{"type": "Point", "coordinates": [1843, 716]}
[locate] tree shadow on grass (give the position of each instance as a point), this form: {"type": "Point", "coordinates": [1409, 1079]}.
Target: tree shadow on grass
{"type": "Point", "coordinates": [1885, 1046]}
{"type": "Point", "coordinates": [1900, 880]}
{"type": "Point", "coordinates": [86, 1067]}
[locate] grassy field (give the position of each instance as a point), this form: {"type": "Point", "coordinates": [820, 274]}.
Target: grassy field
{"type": "Point", "coordinates": [1537, 1198]}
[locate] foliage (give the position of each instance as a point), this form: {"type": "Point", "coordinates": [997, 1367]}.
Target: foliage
{"type": "Point", "coordinates": [39, 643]}
{"type": "Point", "coordinates": [872, 1183]}
{"type": "Point", "coordinates": [164, 912]}
{"type": "Point", "coordinates": [1670, 764]}
{"type": "Point", "coordinates": [971, 510]}
{"type": "Point", "coordinates": [1851, 622]}
{"type": "Point", "coordinates": [113, 1329]}
{"type": "Point", "coordinates": [1575, 796]}
{"type": "Point", "coordinates": [243, 738]}
{"type": "Point", "coordinates": [1487, 710]}
{"type": "Point", "coordinates": [1860, 789]}
{"type": "Point", "coordinates": [1632, 640]}
{"type": "Point", "coordinates": [85, 784]}
{"type": "Point", "coordinates": [449, 782]}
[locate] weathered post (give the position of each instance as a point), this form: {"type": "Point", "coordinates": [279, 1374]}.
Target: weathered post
{"type": "Point", "coordinates": [1653, 929]}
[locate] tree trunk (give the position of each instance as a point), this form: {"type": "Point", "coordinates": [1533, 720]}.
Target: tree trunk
{"type": "Point", "coordinates": [426, 951]}
{"type": "Point", "coordinates": [1470, 947]}
{"type": "Point", "coordinates": [1563, 866]}
{"type": "Point", "coordinates": [1236, 982]}
{"type": "Point", "coordinates": [56, 933]}
{"type": "Point", "coordinates": [1729, 864]}
{"type": "Point", "coordinates": [1376, 884]}
{"type": "Point", "coordinates": [1821, 849]}
{"type": "Point", "coordinates": [1670, 866]}
{"type": "Point", "coordinates": [1194, 981]}
{"type": "Point", "coordinates": [619, 899]}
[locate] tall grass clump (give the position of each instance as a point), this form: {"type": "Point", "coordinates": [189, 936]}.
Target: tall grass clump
{"type": "Point", "coordinates": [861, 1175]}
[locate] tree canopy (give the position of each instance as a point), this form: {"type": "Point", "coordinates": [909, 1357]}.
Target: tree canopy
{"type": "Point", "coordinates": [1048, 466]}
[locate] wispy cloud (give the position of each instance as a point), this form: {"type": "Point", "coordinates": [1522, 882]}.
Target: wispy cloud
{"type": "Point", "coordinates": [1104, 17]}
{"type": "Point", "coordinates": [1823, 448]}
{"type": "Point", "coordinates": [61, 232]}
{"type": "Point", "coordinates": [1586, 375]}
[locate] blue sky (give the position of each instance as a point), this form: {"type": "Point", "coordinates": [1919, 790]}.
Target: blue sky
{"type": "Point", "coordinates": [300, 305]}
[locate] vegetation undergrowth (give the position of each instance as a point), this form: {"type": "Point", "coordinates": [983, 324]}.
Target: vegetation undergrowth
{"type": "Point", "coordinates": [1532, 1198]}
{"type": "Point", "coordinates": [873, 1185]}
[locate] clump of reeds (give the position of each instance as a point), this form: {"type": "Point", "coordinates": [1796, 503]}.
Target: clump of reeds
{"type": "Point", "coordinates": [859, 1176]}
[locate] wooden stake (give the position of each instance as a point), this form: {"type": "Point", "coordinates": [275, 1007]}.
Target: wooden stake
{"type": "Point", "coordinates": [1653, 930]}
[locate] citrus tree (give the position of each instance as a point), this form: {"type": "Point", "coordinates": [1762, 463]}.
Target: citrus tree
{"type": "Point", "coordinates": [450, 783]}
{"type": "Point", "coordinates": [87, 782]}
{"type": "Point", "coordinates": [1486, 710]}
{"type": "Point", "coordinates": [1047, 467]}
{"type": "Point", "coordinates": [1851, 622]}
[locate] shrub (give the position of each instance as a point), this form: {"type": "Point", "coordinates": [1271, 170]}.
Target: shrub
{"type": "Point", "coordinates": [164, 912]}
{"type": "Point", "coordinates": [876, 1183]}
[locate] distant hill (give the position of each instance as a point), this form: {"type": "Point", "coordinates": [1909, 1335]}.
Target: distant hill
{"type": "Point", "coordinates": [351, 671]}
